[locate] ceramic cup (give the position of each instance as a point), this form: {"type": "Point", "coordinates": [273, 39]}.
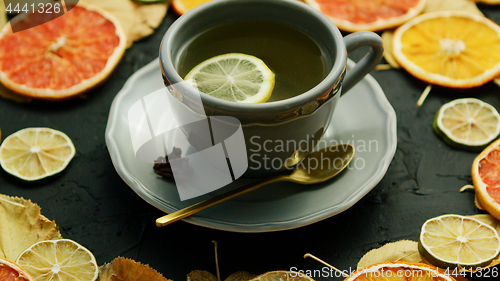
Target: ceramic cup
{"type": "Point", "coordinates": [277, 134]}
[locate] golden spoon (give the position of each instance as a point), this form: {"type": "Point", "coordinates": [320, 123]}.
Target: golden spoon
{"type": "Point", "coordinates": [328, 162]}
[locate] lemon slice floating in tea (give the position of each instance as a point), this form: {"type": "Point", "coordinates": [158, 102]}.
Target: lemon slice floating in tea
{"type": "Point", "coordinates": [452, 241]}
{"type": "Point", "coordinates": [467, 123]}
{"type": "Point", "coordinates": [233, 77]}
{"type": "Point", "coordinates": [449, 48]}
{"type": "Point", "coordinates": [62, 260]}
{"type": "Point", "coordinates": [36, 153]}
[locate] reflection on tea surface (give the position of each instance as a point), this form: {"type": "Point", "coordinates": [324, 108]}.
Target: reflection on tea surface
{"type": "Point", "coordinates": [298, 62]}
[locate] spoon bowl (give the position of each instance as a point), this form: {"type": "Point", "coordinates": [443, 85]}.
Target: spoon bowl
{"type": "Point", "coordinates": [323, 164]}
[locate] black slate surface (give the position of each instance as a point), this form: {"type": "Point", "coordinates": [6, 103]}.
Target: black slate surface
{"type": "Point", "coordinates": [94, 207]}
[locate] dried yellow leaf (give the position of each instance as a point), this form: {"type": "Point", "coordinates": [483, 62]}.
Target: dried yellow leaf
{"type": "Point", "coordinates": [404, 250]}
{"type": "Point", "coordinates": [138, 20]}
{"type": "Point", "coordinates": [454, 273]}
{"type": "Point", "coordinates": [24, 3]}
{"type": "Point", "coordinates": [201, 275]}
{"type": "Point", "coordinates": [22, 225]}
{"type": "Point", "coordinates": [3, 14]}
{"type": "Point", "coordinates": [387, 43]}
{"type": "Point", "coordinates": [123, 269]}
{"type": "Point", "coordinates": [430, 6]}
{"type": "Point", "coordinates": [460, 5]}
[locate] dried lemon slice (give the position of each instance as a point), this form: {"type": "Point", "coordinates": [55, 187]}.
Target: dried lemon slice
{"type": "Point", "coordinates": [454, 49]}
{"type": "Point", "coordinates": [63, 260]}
{"type": "Point", "coordinates": [36, 153]}
{"type": "Point", "coordinates": [452, 241]}
{"type": "Point", "coordinates": [467, 123]}
{"type": "Point", "coordinates": [233, 77]}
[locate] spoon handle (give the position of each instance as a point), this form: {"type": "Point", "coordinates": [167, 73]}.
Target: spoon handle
{"type": "Point", "coordinates": [200, 206]}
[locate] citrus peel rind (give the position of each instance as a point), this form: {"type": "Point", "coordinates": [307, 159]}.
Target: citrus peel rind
{"type": "Point", "coordinates": [454, 49]}
{"type": "Point", "coordinates": [10, 271]}
{"type": "Point", "coordinates": [486, 178]}
{"type": "Point", "coordinates": [54, 70]}
{"type": "Point", "coordinates": [35, 153]}
{"type": "Point", "coordinates": [397, 270]}
{"type": "Point", "coordinates": [368, 13]}
{"type": "Point", "coordinates": [467, 123]}
{"type": "Point", "coordinates": [453, 241]}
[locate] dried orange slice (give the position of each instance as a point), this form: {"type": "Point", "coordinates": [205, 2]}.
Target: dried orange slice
{"type": "Point", "coordinates": [183, 6]}
{"type": "Point", "coordinates": [63, 57]}
{"type": "Point", "coordinates": [486, 178]}
{"type": "Point", "coordinates": [449, 48]}
{"type": "Point", "coordinates": [10, 271]}
{"type": "Point", "coordinates": [358, 15]}
{"type": "Point", "coordinates": [398, 271]}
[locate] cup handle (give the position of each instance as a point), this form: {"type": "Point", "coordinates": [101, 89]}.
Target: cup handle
{"type": "Point", "coordinates": [369, 61]}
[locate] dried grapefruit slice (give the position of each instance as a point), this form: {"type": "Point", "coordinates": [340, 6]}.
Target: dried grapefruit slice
{"type": "Point", "coordinates": [454, 49]}
{"type": "Point", "coordinates": [63, 57]}
{"type": "Point", "coordinates": [486, 178]}
{"type": "Point", "coordinates": [10, 271]}
{"type": "Point", "coordinates": [358, 15]}
{"type": "Point", "coordinates": [399, 271]}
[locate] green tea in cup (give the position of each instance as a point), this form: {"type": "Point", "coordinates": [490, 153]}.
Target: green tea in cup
{"type": "Point", "coordinates": [298, 62]}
